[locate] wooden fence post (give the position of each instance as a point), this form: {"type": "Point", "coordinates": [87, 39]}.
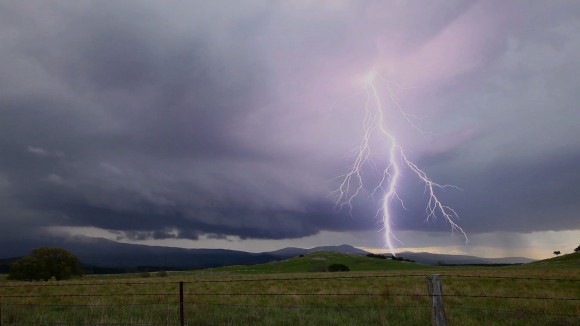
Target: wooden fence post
{"type": "Point", "coordinates": [181, 316]}
{"type": "Point", "coordinates": [435, 289]}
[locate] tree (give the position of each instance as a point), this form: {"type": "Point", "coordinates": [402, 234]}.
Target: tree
{"type": "Point", "coordinates": [338, 268]}
{"type": "Point", "coordinates": [577, 249]}
{"type": "Point", "coordinates": [28, 269]}
{"type": "Point", "coordinates": [557, 252]}
{"type": "Point", "coordinates": [44, 263]}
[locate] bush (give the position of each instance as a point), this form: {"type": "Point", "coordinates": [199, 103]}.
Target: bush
{"type": "Point", "coordinates": [45, 263]}
{"type": "Point", "coordinates": [338, 268]}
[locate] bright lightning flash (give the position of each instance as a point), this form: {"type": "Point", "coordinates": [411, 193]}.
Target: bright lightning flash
{"type": "Point", "coordinates": [352, 181]}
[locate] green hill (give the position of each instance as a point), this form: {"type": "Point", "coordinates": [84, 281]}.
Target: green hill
{"type": "Point", "coordinates": [564, 261]}
{"type": "Point", "coordinates": [319, 262]}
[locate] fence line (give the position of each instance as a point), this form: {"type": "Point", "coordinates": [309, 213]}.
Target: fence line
{"type": "Point", "coordinates": [64, 283]}
{"type": "Point", "coordinates": [306, 278]}
{"type": "Point", "coordinates": [513, 278]}
{"type": "Point", "coordinates": [211, 281]}
{"type": "Point", "coordinates": [88, 305]}
{"type": "Point", "coordinates": [183, 295]}
{"type": "Point", "coordinates": [509, 297]}
{"type": "Point", "coordinates": [208, 304]}
{"type": "Point", "coordinates": [289, 294]}
{"type": "Point", "coordinates": [511, 310]}
{"type": "Point", "coordinates": [92, 324]}
{"type": "Point", "coordinates": [80, 295]}
{"type": "Point", "coordinates": [286, 279]}
{"type": "Point", "coordinates": [302, 307]}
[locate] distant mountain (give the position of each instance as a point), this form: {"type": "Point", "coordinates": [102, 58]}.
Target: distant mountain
{"type": "Point", "coordinates": [101, 255]}
{"type": "Point", "coordinates": [106, 253]}
{"type": "Point", "coordinates": [98, 255]}
{"type": "Point", "coordinates": [419, 257]}
{"type": "Point", "coordinates": [435, 259]}
{"type": "Point", "coordinates": [109, 253]}
{"type": "Point", "coordinates": [292, 251]}
{"type": "Point", "coordinates": [289, 252]}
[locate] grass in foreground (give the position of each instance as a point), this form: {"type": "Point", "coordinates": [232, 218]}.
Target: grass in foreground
{"type": "Point", "coordinates": [496, 296]}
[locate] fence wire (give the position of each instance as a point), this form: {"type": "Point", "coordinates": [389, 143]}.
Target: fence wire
{"type": "Point", "coordinates": [286, 279]}
{"type": "Point", "coordinates": [380, 303]}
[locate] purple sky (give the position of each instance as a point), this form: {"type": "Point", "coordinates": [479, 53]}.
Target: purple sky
{"type": "Point", "coordinates": [226, 124]}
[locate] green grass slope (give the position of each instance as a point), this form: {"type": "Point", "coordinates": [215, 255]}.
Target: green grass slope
{"type": "Point", "coordinates": [565, 261]}
{"type": "Point", "coordinates": [319, 262]}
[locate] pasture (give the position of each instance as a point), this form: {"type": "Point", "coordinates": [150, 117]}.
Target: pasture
{"type": "Point", "coordinates": [291, 292]}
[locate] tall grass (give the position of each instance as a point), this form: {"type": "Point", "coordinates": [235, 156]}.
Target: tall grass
{"type": "Point", "coordinates": [353, 298]}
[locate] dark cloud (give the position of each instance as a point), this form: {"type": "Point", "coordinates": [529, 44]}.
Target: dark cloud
{"type": "Point", "coordinates": [162, 122]}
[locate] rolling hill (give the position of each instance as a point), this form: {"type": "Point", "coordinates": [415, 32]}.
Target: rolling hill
{"type": "Point", "coordinates": [565, 261]}
{"type": "Point", "coordinates": [319, 261]}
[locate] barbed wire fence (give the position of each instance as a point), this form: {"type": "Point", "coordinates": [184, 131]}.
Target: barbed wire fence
{"type": "Point", "coordinates": [226, 302]}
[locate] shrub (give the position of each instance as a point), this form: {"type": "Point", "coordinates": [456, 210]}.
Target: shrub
{"type": "Point", "coordinates": [338, 268]}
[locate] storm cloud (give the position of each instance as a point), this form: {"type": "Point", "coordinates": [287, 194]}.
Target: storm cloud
{"type": "Point", "coordinates": [174, 120]}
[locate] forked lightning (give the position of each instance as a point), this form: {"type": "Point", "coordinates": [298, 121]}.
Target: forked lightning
{"type": "Point", "coordinates": [374, 123]}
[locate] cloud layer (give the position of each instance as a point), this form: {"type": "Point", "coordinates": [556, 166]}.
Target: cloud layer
{"type": "Point", "coordinates": [221, 119]}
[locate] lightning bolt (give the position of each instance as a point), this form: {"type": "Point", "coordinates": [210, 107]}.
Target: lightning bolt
{"type": "Point", "coordinates": [352, 181]}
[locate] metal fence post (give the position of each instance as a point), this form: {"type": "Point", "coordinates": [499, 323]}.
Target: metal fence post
{"type": "Point", "coordinates": [181, 316]}
{"type": "Point", "coordinates": [435, 289]}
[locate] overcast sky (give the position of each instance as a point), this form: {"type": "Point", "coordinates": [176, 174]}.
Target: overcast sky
{"type": "Point", "coordinates": [229, 123]}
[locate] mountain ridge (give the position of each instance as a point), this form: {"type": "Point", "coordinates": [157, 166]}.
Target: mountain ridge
{"type": "Point", "coordinates": [102, 252]}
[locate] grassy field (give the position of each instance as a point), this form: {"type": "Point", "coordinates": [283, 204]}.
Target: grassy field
{"type": "Point", "coordinates": [319, 261]}
{"type": "Point", "coordinates": [559, 262]}
{"type": "Point", "coordinates": [375, 292]}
